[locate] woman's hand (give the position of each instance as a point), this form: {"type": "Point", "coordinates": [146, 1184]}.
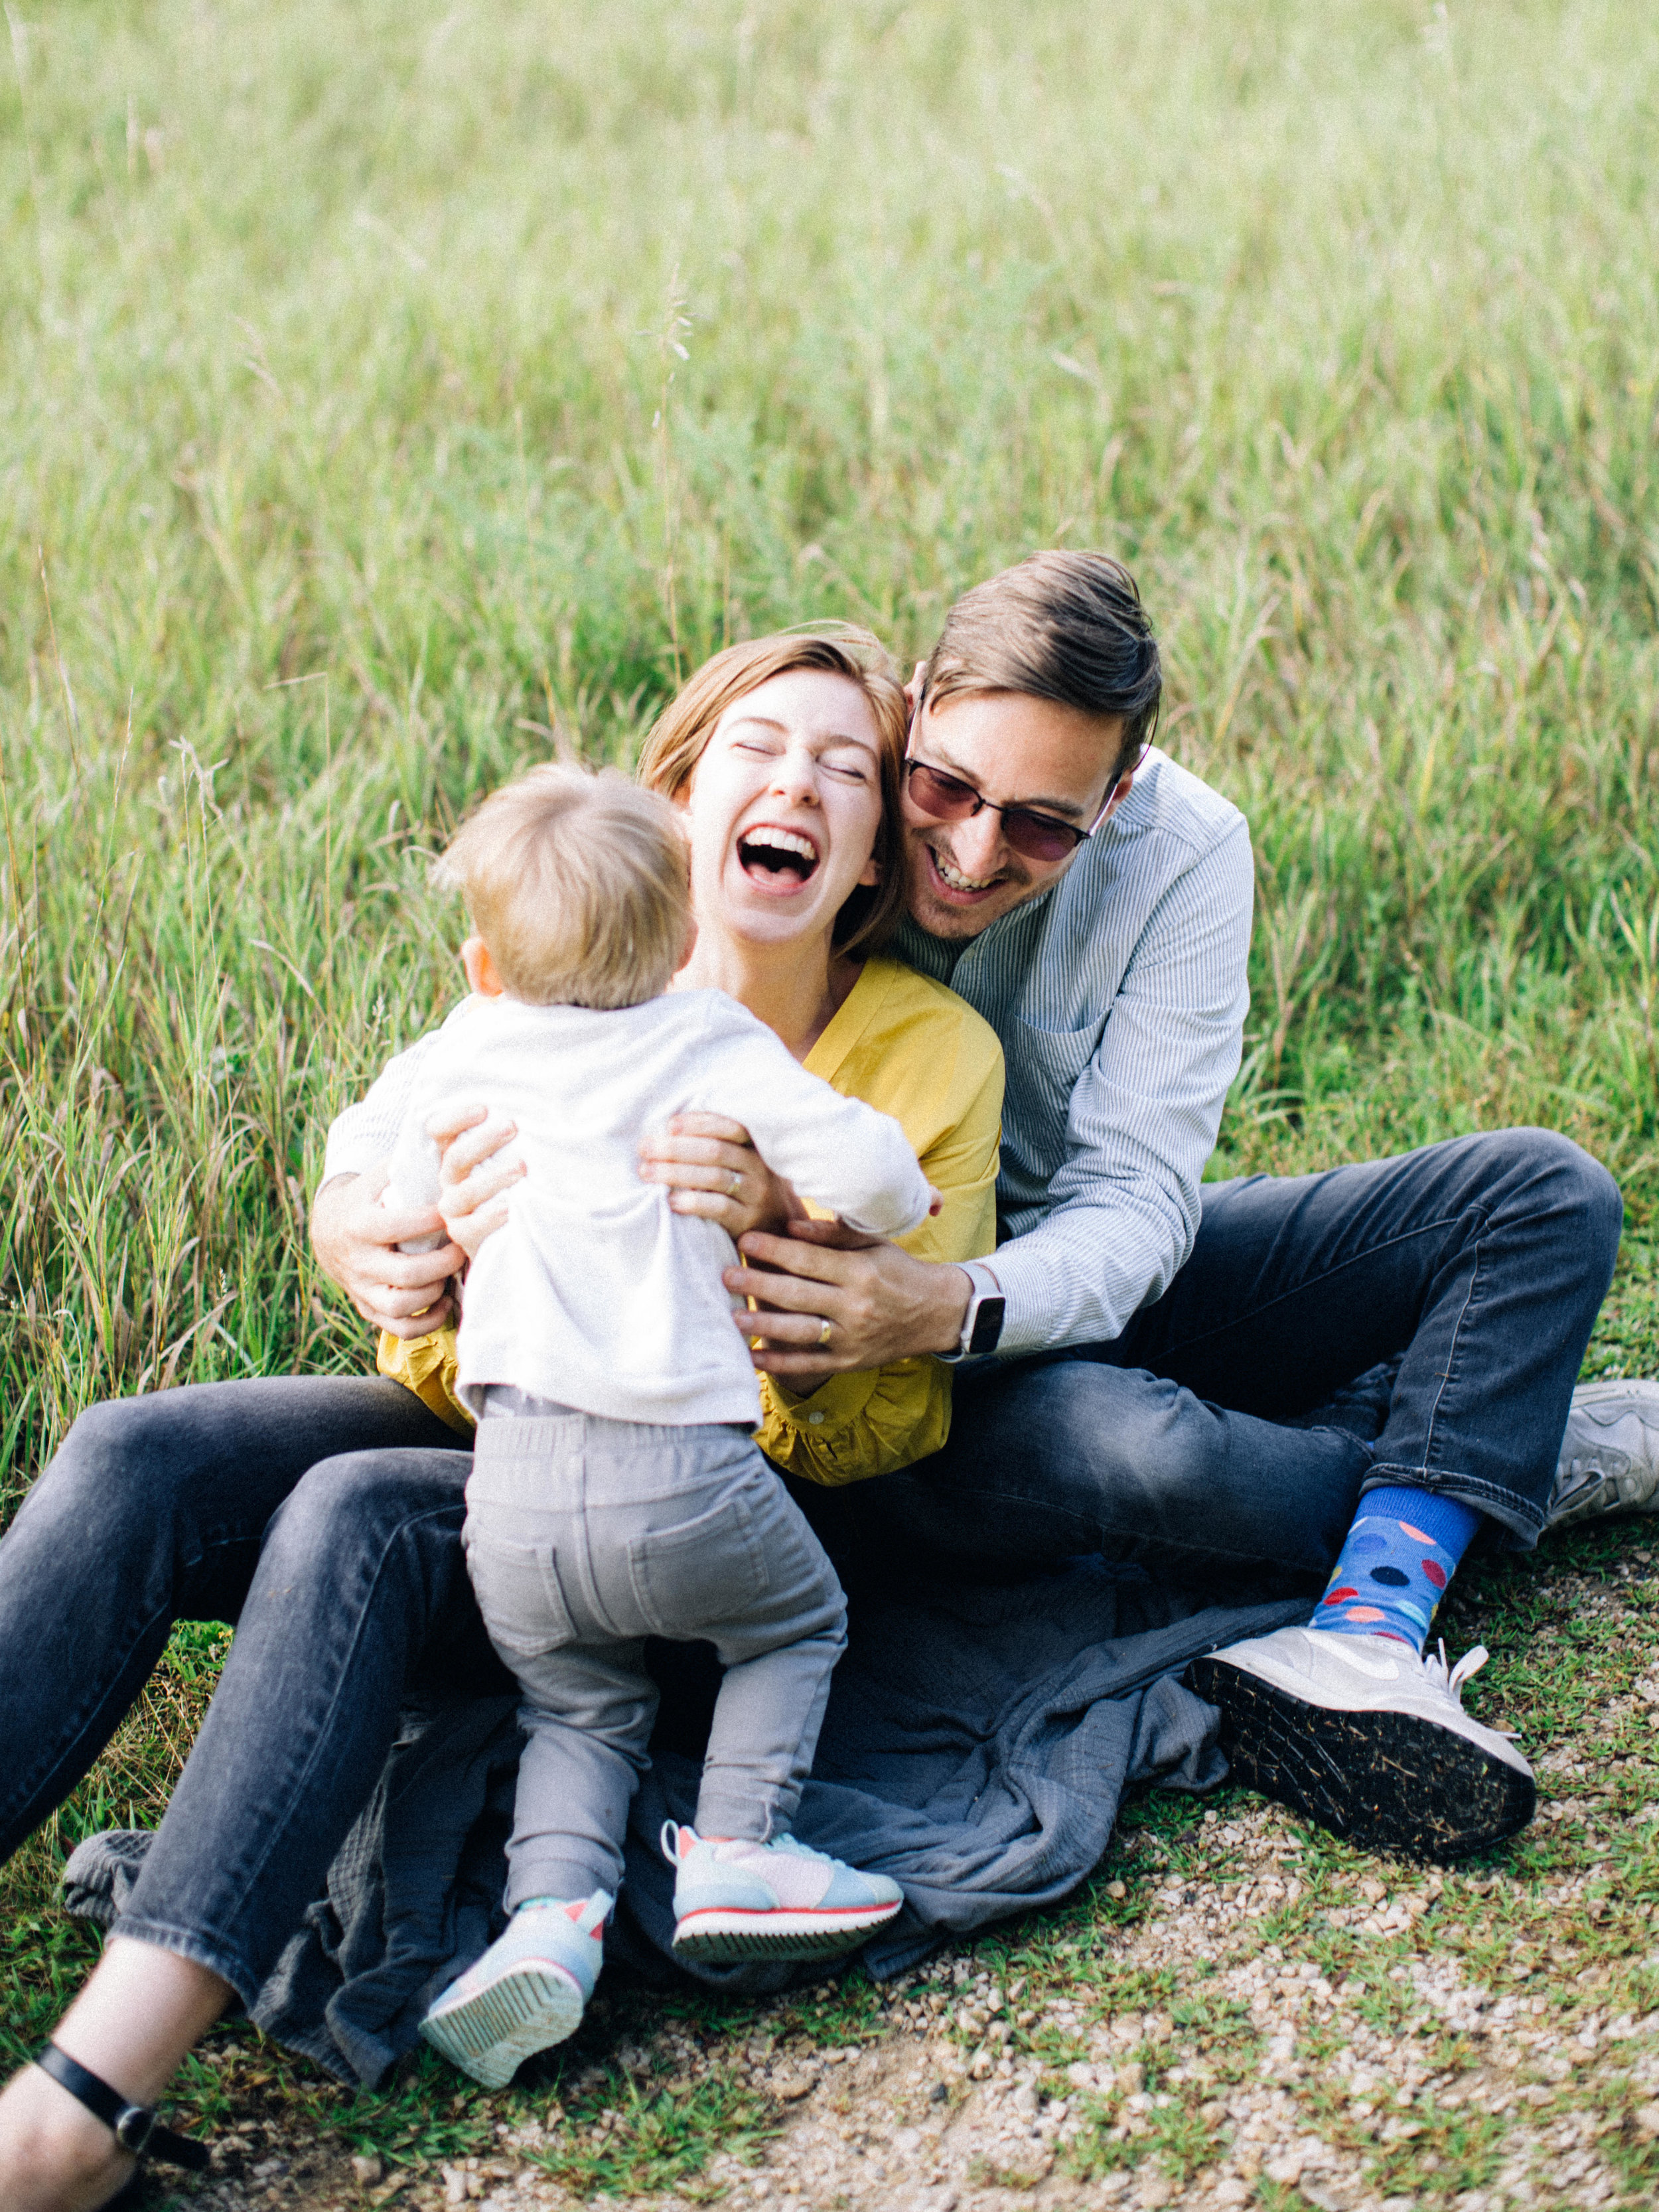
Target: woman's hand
{"type": "Point", "coordinates": [712, 1169]}
{"type": "Point", "coordinates": [355, 1239]}
{"type": "Point", "coordinates": [471, 1194]}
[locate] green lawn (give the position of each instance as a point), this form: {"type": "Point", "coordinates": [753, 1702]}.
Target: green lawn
{"type": "Point", "coordinates": [382, 386]}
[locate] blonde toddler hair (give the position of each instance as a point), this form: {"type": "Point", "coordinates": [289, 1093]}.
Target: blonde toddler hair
{"type": "Point", "coordinates": [580, 886]}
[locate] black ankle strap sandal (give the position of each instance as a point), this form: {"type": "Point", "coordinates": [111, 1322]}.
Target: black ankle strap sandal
{"type": "Point", "coordinates": [136, 2126]}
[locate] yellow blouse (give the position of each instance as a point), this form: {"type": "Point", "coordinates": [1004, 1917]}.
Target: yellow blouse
{"type": "Point", "coordinates": [912, 1049]}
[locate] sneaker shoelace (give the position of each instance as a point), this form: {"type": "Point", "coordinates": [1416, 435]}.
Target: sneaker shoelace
{"type": "Point", "coordinates": [1454, 1678]}
{"type": "Point", "coordinates": [792, 1843]}
{"type": "Point", "coordinates": [1596, 1464]}
{"type": "Point", "coordinates": [673, 1830]}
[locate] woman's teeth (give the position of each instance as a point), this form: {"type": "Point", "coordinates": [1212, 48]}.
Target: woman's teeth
{"type": "Point", "coordinates": [957, 880]}
{"type": "Point", "coordinates": [777, 850]}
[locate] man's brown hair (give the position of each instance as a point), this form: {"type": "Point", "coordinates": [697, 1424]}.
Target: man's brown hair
{"type": "Point", "coordinates": [580, 884]}
{"type": "Point", "coordinates": [1068, 627]}
{"type": "Point", "coordinates": [677, 740]}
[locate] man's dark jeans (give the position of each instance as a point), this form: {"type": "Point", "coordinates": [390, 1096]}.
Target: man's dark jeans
{"type": "Point", "coordinates": [1219, 1439]}
{"type": "Point", "coordinates": [1212, 1440]}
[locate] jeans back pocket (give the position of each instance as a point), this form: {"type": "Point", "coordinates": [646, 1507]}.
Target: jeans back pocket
{"type": "Point", "coordinates": [519, 1594]}
{"type": "Point", "coordinates": [694, 1575]}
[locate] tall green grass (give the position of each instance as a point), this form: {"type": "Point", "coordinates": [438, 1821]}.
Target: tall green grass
{"type": "Point", "coordinates": [383, 387]}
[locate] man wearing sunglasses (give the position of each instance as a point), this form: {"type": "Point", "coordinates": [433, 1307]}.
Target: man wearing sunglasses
{"type": "Point", "coordinates": [1236, 1388]}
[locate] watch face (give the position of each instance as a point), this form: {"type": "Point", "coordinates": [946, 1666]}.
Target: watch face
{"type": "Point", "coordinates": [988, 1327]}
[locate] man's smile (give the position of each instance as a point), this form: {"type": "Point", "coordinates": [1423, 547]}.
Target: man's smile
{"type": "Point", "coordinates": [957, 880]}
{"type": "Point", "coordinates": [954, 884]}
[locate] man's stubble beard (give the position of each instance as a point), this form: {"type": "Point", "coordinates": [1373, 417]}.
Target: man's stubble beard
{"type": "Point", "coordinates": [951, 923]}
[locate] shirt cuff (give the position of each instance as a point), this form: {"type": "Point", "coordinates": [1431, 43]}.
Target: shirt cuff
{"type": "Point", "coordinates": [343, 1160]}
{"type": "Point", "coordinates": [833, 1406]}
{"type": "Point", "coordinates": [1029, 1321]}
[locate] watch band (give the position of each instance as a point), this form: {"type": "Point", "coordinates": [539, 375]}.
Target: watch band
{"type": "Point", "coordinates": [985, 1306]}
{"type": "Point", "coordinates": [135, 2127]}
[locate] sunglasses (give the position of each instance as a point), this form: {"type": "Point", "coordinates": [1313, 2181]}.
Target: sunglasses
{"type": "Point", "coordinates": [1034, 835]}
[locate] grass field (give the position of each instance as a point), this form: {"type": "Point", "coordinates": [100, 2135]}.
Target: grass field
{"type": "Point", "coordinates": [383, 389]}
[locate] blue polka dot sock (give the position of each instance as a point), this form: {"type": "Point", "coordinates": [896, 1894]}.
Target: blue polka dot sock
{"type": "Point", "coordinates": [1395, 1566]}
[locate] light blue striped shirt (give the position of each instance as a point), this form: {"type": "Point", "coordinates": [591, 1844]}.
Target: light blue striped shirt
{"type": "Point", "coordinates": [1120, 996]}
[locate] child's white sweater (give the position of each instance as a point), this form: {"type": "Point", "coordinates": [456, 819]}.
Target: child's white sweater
{"type": "Point", "coordinates": [596, 1293]}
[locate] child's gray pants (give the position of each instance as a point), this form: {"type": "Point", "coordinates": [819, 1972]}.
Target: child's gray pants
{"type": "Point", "coordinates": [583, 1537]}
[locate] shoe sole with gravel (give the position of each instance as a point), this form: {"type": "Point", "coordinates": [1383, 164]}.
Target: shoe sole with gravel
{"type": "Point", "coordinates": [1386, 1781]}
{"type": "Point", "coordinates": [529, 2008]}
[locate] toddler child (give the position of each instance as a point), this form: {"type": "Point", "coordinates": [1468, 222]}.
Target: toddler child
{"type": "Point", "coordinates": [617, 1491]}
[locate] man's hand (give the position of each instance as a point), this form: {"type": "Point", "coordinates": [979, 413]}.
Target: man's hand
{"type": "Point", "coordinates": [881, 1304]}
{"type": "Point", "coordinates": [471, 1196]}
{"type": "Point", "coordinates": [355, 1240]}
{"type": "Point", "coordinates": [712, 1169]}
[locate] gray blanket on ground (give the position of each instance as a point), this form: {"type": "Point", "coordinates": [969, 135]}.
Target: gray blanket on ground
{"type": "Point", "coordinates": [977, 1747]}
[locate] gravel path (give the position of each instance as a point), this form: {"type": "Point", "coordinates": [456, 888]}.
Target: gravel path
{"type": "Point", "coordinates": [968, 2102]}
{"type": "Point", "coordinates": [1236, 2012]}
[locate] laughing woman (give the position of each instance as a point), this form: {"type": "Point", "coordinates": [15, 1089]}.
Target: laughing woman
{"type": "Point", "coordinates": [322, 1515]}
{"type": "Point", "coordinates": [784, 782]}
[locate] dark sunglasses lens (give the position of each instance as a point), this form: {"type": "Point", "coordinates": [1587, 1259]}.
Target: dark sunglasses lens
{"type": "Point", "coordinates": [946, 797]}
{"type": "Point", "coordinates": [1038, 836]}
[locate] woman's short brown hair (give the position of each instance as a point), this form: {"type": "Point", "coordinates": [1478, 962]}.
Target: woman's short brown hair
{"type": "Point", "coordinates": [677, 740]}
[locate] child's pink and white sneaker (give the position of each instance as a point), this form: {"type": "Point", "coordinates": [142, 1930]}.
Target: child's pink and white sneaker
{"type": "Point", "coordinates": [527, 1991]}
{"type": "Point", "coordinates": [739, 1900]}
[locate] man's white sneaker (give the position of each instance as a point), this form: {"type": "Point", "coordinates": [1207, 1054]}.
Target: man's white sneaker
{"type": "Point", "coordinates": [1368, 1738]}
{"type": "Point", "coordinates": [1609, 1460]}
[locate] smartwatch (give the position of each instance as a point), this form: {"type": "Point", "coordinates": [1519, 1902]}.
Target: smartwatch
{"type": "Point", "coordinates": [981, 1325]}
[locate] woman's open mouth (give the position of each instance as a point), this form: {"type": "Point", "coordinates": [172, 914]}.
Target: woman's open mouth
{"type": "Point", "coordinates": [777, 860]}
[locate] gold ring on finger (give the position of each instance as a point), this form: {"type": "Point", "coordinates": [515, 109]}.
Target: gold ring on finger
{"type": "Point", "coordinates": [824, 1334]}
{"type": "Point", "coordinates": [735, 1183]}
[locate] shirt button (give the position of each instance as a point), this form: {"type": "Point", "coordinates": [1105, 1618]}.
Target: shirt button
{"type": "Point", "coordinates": [815, 1420]}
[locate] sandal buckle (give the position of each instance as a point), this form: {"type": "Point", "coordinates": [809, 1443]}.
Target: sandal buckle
{"type": "Point", "coordinates": [134, 2124]}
